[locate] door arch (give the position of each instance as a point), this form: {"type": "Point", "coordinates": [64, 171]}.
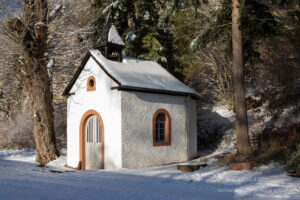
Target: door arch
{"type": "Point", "coordinates": [82, 136]}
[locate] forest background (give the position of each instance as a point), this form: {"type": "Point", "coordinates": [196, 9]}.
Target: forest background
{"type": "Point", "coordinates": [192, 40]}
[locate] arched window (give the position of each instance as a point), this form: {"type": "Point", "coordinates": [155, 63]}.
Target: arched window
{"type": "Point", "coordinates": [91, 84]}
{"type": "Point", "coordinates": [161, 128]}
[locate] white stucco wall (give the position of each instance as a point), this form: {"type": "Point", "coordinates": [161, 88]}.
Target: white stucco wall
{"type": "Point", "coordinates": [137, 140]}
{"type": "Point", "coordinates": [107, 103]}
{"type": "Point", "coordinates": [192, 130]}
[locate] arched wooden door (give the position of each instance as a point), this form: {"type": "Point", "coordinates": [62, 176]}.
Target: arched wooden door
{"type": "Point", "coordinates": [92, 141]}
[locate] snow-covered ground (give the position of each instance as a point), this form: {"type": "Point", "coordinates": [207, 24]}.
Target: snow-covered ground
{"type": "Point", "coordinates": [21, 179]}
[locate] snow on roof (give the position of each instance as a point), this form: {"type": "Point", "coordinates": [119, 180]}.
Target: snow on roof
{"type": "Point", "coordinates": [114, 37]}
{"type": "Point", "coordinates": [137, 73]}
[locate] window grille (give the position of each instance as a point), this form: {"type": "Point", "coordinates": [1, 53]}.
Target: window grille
{"type": "Point", "coordinates": [161, 128]}
{"type": "Point", "coordinates": [93, 130]}
{"type": "Point", "coordinates": [160, 131]}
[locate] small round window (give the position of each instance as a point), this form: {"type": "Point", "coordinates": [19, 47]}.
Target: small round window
{"type": "Point", "coordinates": [91, 84]}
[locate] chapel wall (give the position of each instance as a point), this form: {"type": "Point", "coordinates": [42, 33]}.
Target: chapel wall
{"type": "Point", "coordinates": [138, 109]}
{"type": "Point", "coordinates": [103, 100]}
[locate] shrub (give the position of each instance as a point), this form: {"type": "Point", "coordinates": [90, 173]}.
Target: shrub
{"type": "Point", "coordinates": [293, 159]}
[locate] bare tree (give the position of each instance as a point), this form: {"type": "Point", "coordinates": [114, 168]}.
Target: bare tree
{"type": "Point", "coordinates": [32, 31]}
{"type": "Point", "coordinates": [243, 143]}
{"type": "Point", "coordinates": [68, 27]}
{"type": "Point", "coordinates": [9, 50]}
{"type": "Point", "coordinates": [216, 75]}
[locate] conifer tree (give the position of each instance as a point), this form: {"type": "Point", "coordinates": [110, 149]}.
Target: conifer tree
{"type": "Point", "coordinates": [145, 27]}
{"type": "Point", "coordinates": [240, 24]}
{"type": "Point", "coordinates": [241, 125]}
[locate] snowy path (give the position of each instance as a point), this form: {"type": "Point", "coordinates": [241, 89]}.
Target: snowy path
{"type": "Point", "coordinates": [20, 178]}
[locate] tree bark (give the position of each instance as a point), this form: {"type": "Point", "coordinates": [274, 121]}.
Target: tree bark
{"type": "Point", "coordinates": [35, 76]}
{"type": "Point", "coordinates": [243, 143]}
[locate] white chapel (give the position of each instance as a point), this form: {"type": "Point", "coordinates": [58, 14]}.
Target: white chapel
{"type": "Point", "coordinates": [124, 112]}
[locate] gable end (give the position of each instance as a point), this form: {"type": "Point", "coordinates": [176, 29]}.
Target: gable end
{"type": "Point", "coordinates": [79, 70]}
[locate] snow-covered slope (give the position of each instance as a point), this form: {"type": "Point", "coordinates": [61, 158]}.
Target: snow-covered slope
{"type": "Point", "coordinates": [20, 178]}
{"type": "Point", "coordinates": [216, 125]}
{"type": "Point", "coordinates": [215, 129]}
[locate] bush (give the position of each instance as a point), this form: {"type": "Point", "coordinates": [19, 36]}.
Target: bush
{"type": "Point", "coordinates": [17, 133]}
{"type": "Point", "coordinates": [293, 159]}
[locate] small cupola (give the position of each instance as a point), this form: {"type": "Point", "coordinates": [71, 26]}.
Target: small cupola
{"type": "Point", "coordinates": [110, 43]}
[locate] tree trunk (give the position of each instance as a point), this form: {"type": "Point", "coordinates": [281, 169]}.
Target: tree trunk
{"type": "Point", "coordinates": [35, 76]}
{"type": "Point", "coordinates": [243, 143]}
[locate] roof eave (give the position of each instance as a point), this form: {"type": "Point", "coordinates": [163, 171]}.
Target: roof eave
{"type": "Point", "coordinates": [156, 91]}
{"type": "Point", "coordinates": [103, 44]}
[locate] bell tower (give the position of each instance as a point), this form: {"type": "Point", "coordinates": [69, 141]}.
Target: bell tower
{"type": "Point", "coordinates": [110, 43]}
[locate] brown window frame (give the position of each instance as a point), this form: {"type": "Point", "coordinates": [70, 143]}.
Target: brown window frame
{"type": "Point", "coordinates": [89, 87]}
{"type": "Point", "coordinates": [167, 141]}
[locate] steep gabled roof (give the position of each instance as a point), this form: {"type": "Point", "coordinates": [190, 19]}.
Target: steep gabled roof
{"type": "Point", "coordinates": [109, 35]}
{"type": "Point", "coordinates": [136, 75]}
{"type": "Point", "coordinates": [114, 37]}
